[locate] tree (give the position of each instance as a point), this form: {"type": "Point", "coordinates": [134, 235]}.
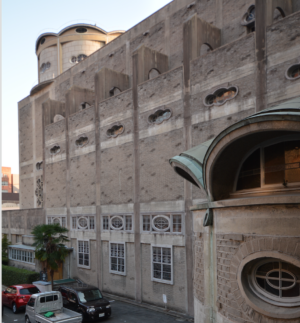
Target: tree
{"type": "Point", "coordinates": [5, 244]}
{"type": "Point", "coordinates": [49, 242]}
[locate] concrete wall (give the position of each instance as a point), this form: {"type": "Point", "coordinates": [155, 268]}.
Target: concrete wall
{"type": "Point", "coordinates": [75, 48]}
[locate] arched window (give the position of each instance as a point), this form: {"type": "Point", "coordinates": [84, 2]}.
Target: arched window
{"type": "Point", "coordinates": [153, 73]}
{"type": "Point", "coordinates": [205, 48]}
{"type": "Point", "coordinates": [276, 165]}
{"type": "Point", "coordinates": [278, 14]}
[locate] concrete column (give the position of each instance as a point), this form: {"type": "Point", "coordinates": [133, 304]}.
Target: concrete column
{"type": "Point", "coordinates": [195, 33]}
{"type": "Point", "coordinates": [136, 167]}
{"type": "Point", "coordinates": [98, 180]}
{"type": "Point", "coordinates": [59, 57]}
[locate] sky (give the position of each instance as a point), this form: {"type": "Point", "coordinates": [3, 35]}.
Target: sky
{"type": "Point", "coordinates": [23, 21]}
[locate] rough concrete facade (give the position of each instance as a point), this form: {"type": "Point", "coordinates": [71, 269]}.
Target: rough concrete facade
{"type": "Point", "coordinates": [105, 152]}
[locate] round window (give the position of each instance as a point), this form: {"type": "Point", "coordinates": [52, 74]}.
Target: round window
{"type": "Point", "coordinates": [48, 64]}
{"type": "Point", "coordinates": [81, 57]}
{"type": "Point", "coordinates": [43, 67]}
{"type": "Point", "coordinates": [82, 222]}
{"type": "Point", "coordinates": [43, 40]}
{"type": "Point", "coordinates": [81, 30]}
{"type": "Point", "coordinates": [116, 222]}
{"type": "Point", "coordinates": [251, 14]}
{"type": "Point", "coordinates": [161, 223]}
{"type": "Point", "coordinates": [73, 59]}
{"type": "Point", "coordinates": [276, 281]}
{"type": "Point", "coordinates": [56, 221]}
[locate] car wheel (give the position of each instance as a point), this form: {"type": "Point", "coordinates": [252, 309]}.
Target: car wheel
{"type": "Point", "coordinates": [14, 308]}
{"type": "Point", "coordinates": [27, 319]}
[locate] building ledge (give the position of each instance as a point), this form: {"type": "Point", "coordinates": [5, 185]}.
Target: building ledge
{"type": "Point", "coordinates": [40, 86]}
{"type": "Point", "coordinates": [248, 201]}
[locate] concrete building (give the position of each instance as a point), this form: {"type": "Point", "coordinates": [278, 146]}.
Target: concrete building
{"type": "Point", "coordinates": [197, 77]}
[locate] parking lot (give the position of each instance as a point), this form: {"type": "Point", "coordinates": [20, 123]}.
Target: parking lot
{"type": "Point", "coordinates": [121, 312]}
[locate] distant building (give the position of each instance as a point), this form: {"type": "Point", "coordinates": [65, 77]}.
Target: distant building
{"type": "Point", "coordinates": [10, 189]}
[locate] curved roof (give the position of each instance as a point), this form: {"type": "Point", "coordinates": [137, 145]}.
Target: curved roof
{"type": "Point", "coordinates": [193, 161]}
{"type": "Point", "coordinates": [66, 29]}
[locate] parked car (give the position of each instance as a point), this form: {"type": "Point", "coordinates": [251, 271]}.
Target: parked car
{"type": "Point", "coordinates": [85, 299]}
{"type": "Point", "coordinates": [17, 296]}
{"type": "Point", "coordinates": [43, 303]}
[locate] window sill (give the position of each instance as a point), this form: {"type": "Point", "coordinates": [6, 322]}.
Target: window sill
{"type": "Point", "coordinates": [117, 273]}
{"type": "Point", "coordinates": [169, 282]}
{"type": "Point", "coordinates": [84, 267]}
{"type": "Point", "coordinates": [267, 190]}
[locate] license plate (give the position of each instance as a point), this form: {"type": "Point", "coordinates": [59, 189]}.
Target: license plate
{"type": "Point", "coordinates": [101, 315]}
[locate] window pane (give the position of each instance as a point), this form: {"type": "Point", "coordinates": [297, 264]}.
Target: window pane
{"type": "Point", "coordinates": [249, 176]}
{"type": "Point", "coordinates": [146, 223]}
{"type": "Point", "coordinates": [176, 223]}
{"type": "Point", "coordinates": [274, 164]}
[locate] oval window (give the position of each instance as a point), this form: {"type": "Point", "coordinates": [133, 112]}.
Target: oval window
{"type": "Point", "coordinates": [81, 57]}
{"type": "Point", "coordinates": [276, 281]}
{"type": "Point", "coordinates": [293, 72]}
{"type": "Point", "coordinates": [161, 223]}
{"type": "Point", "coordinates": [116, 222]}
{"type": "Point", "coordinates": [56, 221]}
{"type": "Point", "coordinates": [82, 222]}
{"type": "Point", "coordinates": [81, 30]}
{"type": "Point", "coordinates": [43, 40]}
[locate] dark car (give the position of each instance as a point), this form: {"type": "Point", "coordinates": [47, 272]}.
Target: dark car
{"type": "Point", "coordinates": [85, 299]}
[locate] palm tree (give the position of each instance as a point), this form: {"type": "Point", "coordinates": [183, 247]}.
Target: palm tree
{"type": "Point", "coordinates": [49, 242]}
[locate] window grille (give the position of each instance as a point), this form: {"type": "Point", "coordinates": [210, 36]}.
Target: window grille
{"type": "Point", "coordinates": [83, 222]}
{"type": "Point", "coordinates": [83, 253]}
{"type": "Point", "coordinates": [105, 223]}
{"type": "Point", "coordinates": [117, 258]}
{"type": "Point", "coordinates": [59, 220]}
{"type": "Point", "coordinates": [128, 225]}
{"type": "Point", "coordinates": [146, 223]}
{"type": "Point", "coordinates": [162, 264]}
{"type": "Point", "coordinates": [167, 223]}
{"type": "Point", "coordinates": [21, 255]}
{"type": "Point", "coordinates": [117, 222]}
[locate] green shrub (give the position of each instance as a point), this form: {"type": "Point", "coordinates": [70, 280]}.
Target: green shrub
{"type": "Point", "coordinates": [13, 276]}
{"type": "Point", "coordinates": [5, 261]}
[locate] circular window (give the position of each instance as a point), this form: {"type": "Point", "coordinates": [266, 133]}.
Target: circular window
{"type": "Point", "coordinates": [73, 59]}
{"type": "Point", "coordinates": [43, 68]}
{"type": "Point", "coordinates": [81, 57]}
{"type": "Point", "coordinates": [276, 282]}
{"type": "Point", "coordinates": [82, 222]}
{"type": "Point", "coordinates": [48, 64]}
{"type": "Point", "coordinates": [161, 223]}
{"type": "Point", "coordinates": [56, 221]}
{"type": "Point", "coordinates": [81, 30]}
{"type": "Point", "coordinates": [43, 40]}
{"type": "Point", "coordinates": [116, 222]}
{"type": "Point", "coordinates": [293, 72]}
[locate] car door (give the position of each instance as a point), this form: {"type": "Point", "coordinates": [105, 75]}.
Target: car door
{"type": "Point", "coordinates": [4, 296]}
{"type": "Point", "coordinates": [10, 291]}
{"type": "Point", "coordinates": [73, 301]}
{"type": "Point", "coordinates": [30, 309]}
{"type": "Point", "coordinates": [64, 294]}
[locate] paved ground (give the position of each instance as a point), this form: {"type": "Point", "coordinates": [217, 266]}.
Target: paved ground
{"type": "Point", "coordinates": [121, 312]}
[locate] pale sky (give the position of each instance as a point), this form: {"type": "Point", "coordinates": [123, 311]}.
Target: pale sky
{"type": "Point", "coordinates": [23, 21]}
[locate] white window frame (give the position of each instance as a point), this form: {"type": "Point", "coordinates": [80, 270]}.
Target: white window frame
{"type": "Point", "coordinates": [21, 253]}
{"type": "Point", "coordinates": [83, 266]}
{"type": "Point", "coordinates": [123, 216]}
{"type": "Point", "coordinates": [50, 219]}
{"type": "Point", "coordinates": [169, 215]}
{"type": "Point", "coordinates": [115, 271]}
{"type": "Point", "coordinates": [170, 282]}
{"type": "Point", "coordinates": [87, 216]}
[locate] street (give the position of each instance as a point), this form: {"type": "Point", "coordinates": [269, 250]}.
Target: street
{"type": "Point", "coordinates": [121, 312]}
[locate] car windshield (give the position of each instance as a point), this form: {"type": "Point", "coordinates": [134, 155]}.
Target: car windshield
{"type": "Point", "coordinates": [29, 291]}
{"type": "Point", "coordinates": [89, 295]}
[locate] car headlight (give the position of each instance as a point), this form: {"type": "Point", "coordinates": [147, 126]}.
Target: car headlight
{"type": "Point", "coordinates": [91, 310]}
{"type": "Point", "coordinates": [108, 306]}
